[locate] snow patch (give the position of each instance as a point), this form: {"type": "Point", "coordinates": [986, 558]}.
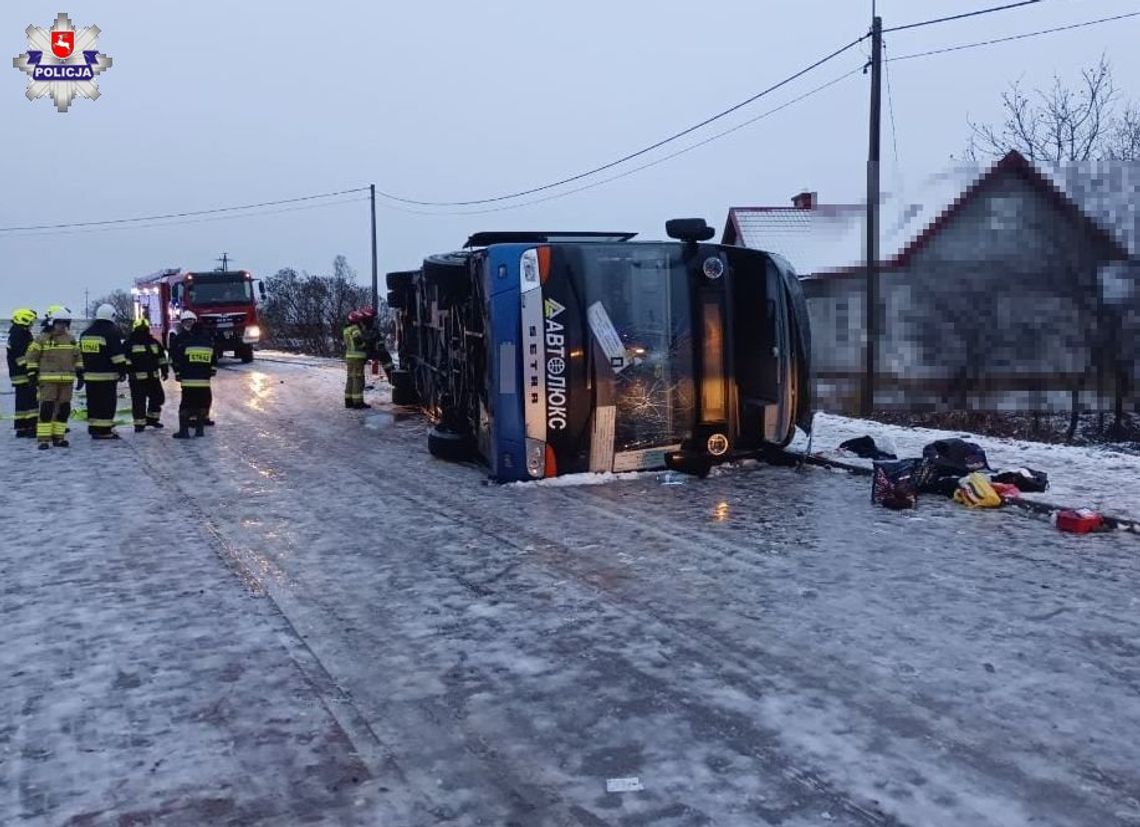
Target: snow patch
{"type": "Point", "coordinates": [588, 478]}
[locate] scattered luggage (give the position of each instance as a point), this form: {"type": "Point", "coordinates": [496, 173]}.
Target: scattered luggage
{"type": "Point", "coordinates": [975, 491]}
{"type": "Point", "coordinates": [865, 447]}
{"type": "Point", "coordinates": [893, 484]}
{"type": "Point", "coordinates": [1026, 479]}
{"type": "Point", "coordinates": [1081, 521]}
{"type": "Point", "coordinates": [955, 457]}
{"type": "Point", "coordinates": [1005, 490]}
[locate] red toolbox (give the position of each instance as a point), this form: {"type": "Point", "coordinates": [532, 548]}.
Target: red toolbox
{"type": "Point", "coordinates": [1081, 521]}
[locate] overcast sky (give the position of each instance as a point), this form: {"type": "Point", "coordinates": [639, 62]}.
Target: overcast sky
{"type": "Point", "coordinates": [213, 104]}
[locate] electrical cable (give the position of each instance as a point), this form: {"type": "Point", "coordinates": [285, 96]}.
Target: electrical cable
{"type": "Point", "coordinates": [997, 40]}
{"type": "Point", "coordinates": [144, 218]}
{"type": "Point", "coordinates": [645, 150]}
{"type": "Point", "coordinates": [636, 169]}
{"type": "Point", "coordinates": [960, 16]}
{"type": "Point", "coordinates": [82, 230]}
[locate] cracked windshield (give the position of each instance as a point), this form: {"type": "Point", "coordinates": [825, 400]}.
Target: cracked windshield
{"type": "Point", "coordinates": [643, 291]}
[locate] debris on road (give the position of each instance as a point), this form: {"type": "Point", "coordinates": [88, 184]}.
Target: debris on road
{"type": "Point", "coordinates": [624, 785]}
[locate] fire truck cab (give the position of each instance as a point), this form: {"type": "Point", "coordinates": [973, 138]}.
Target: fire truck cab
{"type": "Point", "coordinates": [223, 302]}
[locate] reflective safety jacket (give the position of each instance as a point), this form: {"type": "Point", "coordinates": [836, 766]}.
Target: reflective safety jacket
{"type": "Point", "coordinates": [146, 357]}
{"type": "Point", "coordinates": [19, 338]}
{"type": "Point", "coordinates": [192, 357]}
{"type": "Point", "coordinates": [103, 356]}
{"type": "Point", "coordinates": [54, 357]}
{"type": "Point", "coordinates": [355, 343]}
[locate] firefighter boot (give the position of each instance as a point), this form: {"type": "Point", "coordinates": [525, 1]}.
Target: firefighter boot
{"type": "Point", "coordinates": [183, 427]}
{"type": "Point", "coordinates": [200, 428]}
{"type": "Point", "coordinates": [140, 428]}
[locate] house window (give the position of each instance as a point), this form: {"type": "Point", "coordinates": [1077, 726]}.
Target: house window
{"type": "Point", "coordinates": [842, 321]}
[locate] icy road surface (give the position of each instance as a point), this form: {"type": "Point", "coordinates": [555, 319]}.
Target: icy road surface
{"type": "Point", "coordinates": [304, 619]}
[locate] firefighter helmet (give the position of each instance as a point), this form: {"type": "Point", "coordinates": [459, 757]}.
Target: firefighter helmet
{"type": "Point", "coordinates": [367, 312]}
{"type": "Point", "coordinates": [105, 312]}
{"type": "Point", "coordinates": [188, 316]}
{"type": "Point", "coordinates": [23, 316]}
{"type": "Point", "coordinates": [354, 316]}
{"type": "Point", "coordinates": [61, 314]}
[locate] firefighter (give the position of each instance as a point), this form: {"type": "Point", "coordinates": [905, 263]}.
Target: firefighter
{"type": "Point", "coordinates": [54, 363]}
{"type": "Point", "coordinates": [355, 354]}
{"type": "Point", "coordinates": [193, 358]}
{"type": "Point", "coordinates": [45, 326]}
{"type": "Point", "coordinates": [147, 361]}
{"type": "Point", "coordinates": [104, 367]}
{"type": "Point", "coordinates": [20, 337]}
{"type": "Point", "coordinates": [374, 342]}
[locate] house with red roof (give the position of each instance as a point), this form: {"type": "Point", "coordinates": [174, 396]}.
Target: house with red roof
{"type": "Point", "coordinates": [1004, 287]}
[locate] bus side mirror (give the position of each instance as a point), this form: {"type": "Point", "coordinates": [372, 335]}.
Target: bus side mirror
{"type": "Point", "coordinates": [689, 229]}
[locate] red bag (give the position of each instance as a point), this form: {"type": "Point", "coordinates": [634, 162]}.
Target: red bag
{"type": "Point", "coordinates": [1006, 491]}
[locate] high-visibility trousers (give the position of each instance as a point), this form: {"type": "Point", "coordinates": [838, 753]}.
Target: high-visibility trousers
{"type": "Point", "coordinates": [55, 408]}
{"type": "Point", "coordinates": [354, 383]}
{"type": "Point", "coordinates": [195, 403]}
{"type": "Point", "coordinates": [147, 399]}
{"type": "Point", "coordinates": [102, 398]}
{"type": "Point", "coordinates": [27, 410]}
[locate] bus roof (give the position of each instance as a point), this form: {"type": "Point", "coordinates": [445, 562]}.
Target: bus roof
{"type": "Point", "coordinates": [539, 237]}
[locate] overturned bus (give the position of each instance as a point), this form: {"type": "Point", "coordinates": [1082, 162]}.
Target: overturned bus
{"type": "Point", "coordinates": [547, 353]}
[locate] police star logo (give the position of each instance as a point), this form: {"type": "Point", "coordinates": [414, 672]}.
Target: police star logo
{"type": "Point", "coordinates": [62, 62]}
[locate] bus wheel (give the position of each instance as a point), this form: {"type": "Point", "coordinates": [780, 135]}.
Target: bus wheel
{"type": "Point", "coordinates": [403, 388]}
{"type": "Point", "coordinates": [448, 274]}
{"type": "Point", "coordinates": [448, 445]}
{"type": "Point", "coordinates": [399, 281]}
{"type": "Point", "coordinates": [245, 353]}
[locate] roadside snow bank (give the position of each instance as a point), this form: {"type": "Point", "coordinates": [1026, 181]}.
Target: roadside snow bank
{"type": "Point", "coordinates": [586, 478]}
{"type": "Point", "coordinates": [1079, 477]}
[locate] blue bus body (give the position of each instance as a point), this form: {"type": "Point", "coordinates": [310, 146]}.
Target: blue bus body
{"type": "Point", "coordinates": [567, 354]}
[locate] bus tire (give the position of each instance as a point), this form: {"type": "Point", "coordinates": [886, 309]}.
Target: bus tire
{"type": "Point", "coordinates": [398, 282]}
{"type": "Point", "coordinates": [449, 445]}
{"type": "Point", "coordinates": [245, 353]}
{"type": "Point", "coordinates": [447, 272]}
{"type": "Point", "coordinates": [404, 388]}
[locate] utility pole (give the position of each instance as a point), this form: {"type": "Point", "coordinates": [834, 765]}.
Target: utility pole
{"type": "Point", "coordinates": [86, 304]}
{"type": "Point", "coordinates": [375, 277]}
{"type": "Point", "coordinates": [225, 260]}
{"type": "Point", "coordinates": [871, 305]}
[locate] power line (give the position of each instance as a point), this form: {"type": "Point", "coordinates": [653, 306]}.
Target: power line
{"type": "Point", "coordinates": [675, 136]}
{"type": "Point", "coordinates": [961, 16]}
{"type": "Point", "coordinates": [1016, 37]}
{"type": "Point", "coordinates": [144, 218]}
{"type": "Point", "coordinates": [894, 129]}
{"type": "Point", "coordinates": [653, 163]}
{"type": "Point", "coordinates": [204, 220]}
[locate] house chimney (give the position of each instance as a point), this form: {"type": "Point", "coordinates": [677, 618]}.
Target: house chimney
{"type": "Point", "coordinates": [805, 201]}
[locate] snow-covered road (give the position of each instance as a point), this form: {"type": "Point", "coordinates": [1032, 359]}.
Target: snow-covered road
{"type": "Point", "coordinates": [304, 616]}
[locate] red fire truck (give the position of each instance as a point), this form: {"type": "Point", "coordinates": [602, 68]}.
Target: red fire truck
{"type": "Point", "coordinates": [222, 300]}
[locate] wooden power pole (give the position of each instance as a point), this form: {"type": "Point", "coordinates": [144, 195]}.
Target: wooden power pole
{"type": "Point", "coordinates": [375, 277]}
{"type": "Point", "coordinates": [871, 305]}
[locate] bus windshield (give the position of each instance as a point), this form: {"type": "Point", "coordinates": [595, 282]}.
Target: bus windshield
{"type": "Point", "coordinates": [640, 292]}
{"type": "Point", "coordinates": [235, 291]}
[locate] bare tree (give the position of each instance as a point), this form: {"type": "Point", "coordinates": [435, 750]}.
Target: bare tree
{"type": "Point", "coordinates": [1124, 141]}
{"type": "Point", "coordinates": [1063, 123]}
{"type": "Point", "coordinates": [307, 313]}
